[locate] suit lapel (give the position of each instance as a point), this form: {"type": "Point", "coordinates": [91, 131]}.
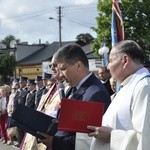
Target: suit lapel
{"type": "Point", "coordinates": [80, 92]}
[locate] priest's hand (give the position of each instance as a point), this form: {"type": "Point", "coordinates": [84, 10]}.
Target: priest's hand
{"type": "Point", "coordinates": [47, 140]}
{"type": "Point", "coordinates": [102, 133]}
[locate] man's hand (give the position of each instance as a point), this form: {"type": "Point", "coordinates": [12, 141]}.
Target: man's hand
{"type": "Point", "coordinates": [47, 140]}
{"type": "Point", "coordinates": [101, 133]}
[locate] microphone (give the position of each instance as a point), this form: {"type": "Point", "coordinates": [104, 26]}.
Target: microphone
{"type": "Point", "coordinates": [60, 88]}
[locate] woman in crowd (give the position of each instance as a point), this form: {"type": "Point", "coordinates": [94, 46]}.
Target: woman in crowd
{"type": "Point", "coordinates": [11, 130]}
{"type": "Point", "coordinates": [3, 114]}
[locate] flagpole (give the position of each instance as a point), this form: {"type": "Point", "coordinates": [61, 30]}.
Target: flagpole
{"type": "Point", "coordinates": [117, 28]}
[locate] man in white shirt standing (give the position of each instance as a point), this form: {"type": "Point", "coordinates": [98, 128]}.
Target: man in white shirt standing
{"type": "Point", "coordinates": [125, 124]}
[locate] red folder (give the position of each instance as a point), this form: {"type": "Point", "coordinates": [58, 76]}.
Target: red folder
{"type": "Point", "coordinates": [76, 115]}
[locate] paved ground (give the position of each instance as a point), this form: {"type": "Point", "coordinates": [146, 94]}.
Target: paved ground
{"type": "Point", "coordinates": [7, 147]}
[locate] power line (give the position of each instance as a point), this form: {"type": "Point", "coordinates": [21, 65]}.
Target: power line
{"type": "Point", "coordinates": [74, 9]}
{"type": "Point", "coordinates": [78, 9]}
{"type": "Point", "coordinates": [81, 6]}
{"type": "Point", "coordinates": [30, 14]}
{"type": "Point", "coordinates": [79, 22]}
{"type": "Point", "coordinates": [59, 23]}
{"type": "Point", "coordinates": [68, 13]}
{"type": "Point", "coordinates": [24, 17]}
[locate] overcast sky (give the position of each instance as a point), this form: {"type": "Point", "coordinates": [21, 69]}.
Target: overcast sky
{"type": "Point", "coordinates": [28, 20]}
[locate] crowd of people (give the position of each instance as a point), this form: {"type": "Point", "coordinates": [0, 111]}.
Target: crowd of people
{"type": "Point", "coordinates": [22, 91]}
{"type": "Point", "coordinates": [126, 118]}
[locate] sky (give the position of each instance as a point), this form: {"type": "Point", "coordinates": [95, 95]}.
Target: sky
{"type": "Point", "coordinates": [28, 20]}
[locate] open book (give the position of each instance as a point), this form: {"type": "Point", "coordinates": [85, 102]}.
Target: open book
{"type": "Point", "coordinates": [31, 121]}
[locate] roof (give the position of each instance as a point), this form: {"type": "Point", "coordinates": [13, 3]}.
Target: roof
{"type": "Point", "coordinates": [42, 54]}
{"type": "Point", "coordinates": [89, 52]}
{"type": "Point", "coordinates": [24, 50]}
{"type": "Point", "coordinates": [46, 53]}
{"type": "Point", "coordinates": [9, 50]}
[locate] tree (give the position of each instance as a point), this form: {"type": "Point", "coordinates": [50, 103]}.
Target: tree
{"type": "Point", "coordinates": [8, 39]}
{"type": "Point", "coordinates": [84, 38]}
{"type": "Point", "coordinates": [136, 16]}
{"type": "Point", "coordinates": [7, 66]}
{"type": "Point", "coordinates": [103, 24]}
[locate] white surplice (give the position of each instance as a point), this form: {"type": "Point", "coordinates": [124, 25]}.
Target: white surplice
{"type": "Point", "coordinates": [129, 116]}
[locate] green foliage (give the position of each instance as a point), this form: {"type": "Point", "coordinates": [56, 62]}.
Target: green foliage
{"type": "Point", "coordinates": [8, 39]}
{"type": "Point", "coordinates": [7, 65]}
{"type": "Point", "coordinates": [103, 24]}
{"type": "Point", "coordinates": [86, 38]}
{"type": "Point", "coordinates": [136, 16]}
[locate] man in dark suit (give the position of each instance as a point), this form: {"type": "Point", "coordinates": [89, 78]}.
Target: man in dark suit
{"type": "Point", "coordinates": [104, 76]}
{"type": "Point", "coordinates": [40, 88]}
{"type": "Point", "coordinates": [74, 67]}
{"type": "Point", "coordinates": [20, 96]}
{"type": "Point", "coordinates": [30, 99]}
{"type": "Point", "coordinates": [45, 78]}
{"type": "Point", "coordinates": [20, 99]}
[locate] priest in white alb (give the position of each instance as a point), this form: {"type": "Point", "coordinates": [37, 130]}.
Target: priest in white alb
{"type": "Point", "coordinates": [125, 124]}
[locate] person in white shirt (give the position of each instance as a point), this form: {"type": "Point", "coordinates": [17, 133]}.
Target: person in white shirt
{"type": "Point", "coordinates": [11, 129]}
{"type": "Point", "coordinates": [3, 113]}
{"type": "Point", "coordinates": [125, 125]}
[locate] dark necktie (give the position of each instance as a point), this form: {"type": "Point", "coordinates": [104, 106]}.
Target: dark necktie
{"type": "Point", "coordinates": [70, 92]}
{"type": "Point", "coordinates": [73, 90]}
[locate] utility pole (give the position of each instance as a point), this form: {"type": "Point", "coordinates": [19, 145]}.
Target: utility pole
{"type": "Point", "coordinates": [59, 20]}
{"type": "Point", "coordinates": [59, 23]}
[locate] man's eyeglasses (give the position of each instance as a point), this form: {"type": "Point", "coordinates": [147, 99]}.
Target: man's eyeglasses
{"type": "Point", "coordinates": [53, 65]}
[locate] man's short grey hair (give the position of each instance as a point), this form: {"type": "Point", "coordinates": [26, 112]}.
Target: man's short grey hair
{"type": "Point", "coordinates": [132, 49]}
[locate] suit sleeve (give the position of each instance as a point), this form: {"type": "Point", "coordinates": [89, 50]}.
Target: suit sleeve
{"type": "Point", "coordinates": [101, 97]}
{"type": "Point", "coordinates": [63, 143]}
{"type": "Point", "coordinates": [97, 96]}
